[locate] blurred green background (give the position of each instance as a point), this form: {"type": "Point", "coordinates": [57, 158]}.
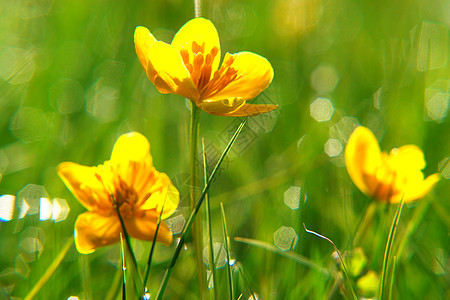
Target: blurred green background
{"type": "Point", "coordinates": [71, 83]}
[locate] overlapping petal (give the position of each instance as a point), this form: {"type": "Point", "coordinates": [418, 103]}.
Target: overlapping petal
{"type": "Point", "coordinates": [167, 71]}
{"type": "Point", "coordinates": [143, 39]}
{"type": "Point", "coordinates": [362, 158]}
{"type": "Point", "coordinates": [254, 74]}
{"type": "Point", "coordinates": [144, 227]}
{"type": "Point", "coordinates": [202, 32]}
{"type": "Point", "coordinates": [94, 230]}
{"type": "Point", "coordinates": [131, 158]}
{"type": "Point", "coordinates": [82, 181]}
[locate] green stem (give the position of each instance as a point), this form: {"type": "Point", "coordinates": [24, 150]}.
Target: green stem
{"type": "Point", "coordinates": [188, 225]}
{"type": "Point", "coordinates": [197, 235]}
{"type": "Point", "coordinates": [212, 264]}
{"type": "Point", "coordinates": [50, 270]}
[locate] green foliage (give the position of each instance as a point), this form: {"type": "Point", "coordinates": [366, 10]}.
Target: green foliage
{"type": "Point", "coordinates": [71, 83]}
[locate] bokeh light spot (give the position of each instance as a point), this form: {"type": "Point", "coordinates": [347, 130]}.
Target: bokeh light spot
{"type": "Point", "coordinates": [333, 147]}
{"type": "Point", "coordinates": [324, 79]}
{"type": "Point", "coordinates": [67, 95]}
{"type": "Point", "coordinates": [31, 194]}
{"type": "Point", "coordinates": [29, 124]}
{"type": "Point", "coordinates": [285, 238]}
{"type": "Point", "coordinates": [344, 128]}
{"type": "Point", "coordinates": [437, 98]}
{"type": "Point", "coordinates": [176, 224]}
{"type": "Point", "coordinates": [102, 101]}
{"type": "Point", "coordinates": [444, 167]}
{"type": "Point", "coordinates": [45, 209]}
{"type": "Point", "coordinates": [32, 241]}
{"type": "Point", "coordinates": [292, 197]}
{"type": "Point", "coordinates": [433, 46]}
{"type": "Point", "coordinates": [60, 209]}
{"type": "Point", "coordinates": [220, 256]}
{"type": "Point", "coordinates": [16, 65]}
{"type": "Point", "coordinates": [321, 109]}
{"type": "Point", "coordinates": [7, 203]}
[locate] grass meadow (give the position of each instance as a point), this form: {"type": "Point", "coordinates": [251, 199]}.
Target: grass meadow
{"type": "Point", "coordinates": [71, 84]}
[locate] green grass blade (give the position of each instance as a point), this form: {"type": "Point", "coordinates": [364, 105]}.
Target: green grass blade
{"type": "Point", "coordinates": [388, 248]}
{"type": "Point", "coordinates": [50, 270]}
{"type": "Point", "coordinates": [344, 268]}
{"type": "Point", "coordinates": [227, 248]}
{"type": "Point", "coordinates": [293, 256]}
{"type": "Point", "coordinates": [188, 225]}
{"type": "Point", "coordinates": [394, 264]}
{"type": "Point", "coordinates": [246, 281]}
{"type": "Point", "coordinates": [124, 278]}
{"type": "Point", "coordinates": [152, 249]}
{"type": "Point", "coordinates": [136, 274]}
{"type": "Point", "coordinates": [212, 264]}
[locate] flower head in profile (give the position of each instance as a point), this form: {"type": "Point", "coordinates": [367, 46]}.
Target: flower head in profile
{"type": "Point", "coordinates": [189, 67]}
{"type": "Point", "coordinates": [128, 182]}
{"type": "Point", "coordinates": [386, 177]}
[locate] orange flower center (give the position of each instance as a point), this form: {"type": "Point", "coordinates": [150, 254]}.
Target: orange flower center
{"type": "Point", "coordinates": [120, 194]}
{"type": "Point", "coordinates": [200, 68]}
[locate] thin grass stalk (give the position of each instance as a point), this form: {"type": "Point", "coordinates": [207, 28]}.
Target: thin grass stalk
{"type": "Point", "coordinates": [294, 256]}
{"type": "Point", "coordinates": [137, 276]}
{"type": "Point", "coordinates": [124, 279]}
{"type": "Point", "coordinates": [388, 248]}
{"type": "Point", "coordinates": [197, 235]}
{"type": "Point", "coordinates": [188, 224]}
{"type": "Point", "coordinates": [227, 248]}
{"type": "Point", "coordinates": [344, 268]}
{"type": "Point", "coordinates": [391, 286]}
{"type": "Point", "coordinates": [152, 249]}
{"type": "Point", "coordinates": [246, 281]}
{"type": "Point", "coordinates": [50, 270]}
{"type": "Point", "coordinates": [208, 222]}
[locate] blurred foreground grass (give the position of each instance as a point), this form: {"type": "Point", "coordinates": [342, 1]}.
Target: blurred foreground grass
{"type": "Point", "coordinates": [70, 84]}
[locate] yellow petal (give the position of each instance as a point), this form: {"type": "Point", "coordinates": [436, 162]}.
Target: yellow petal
{"type": "Point", "coordinates": [221, 107]}
{"type": "Point", "coordinates": [408, 157]}
{"type": "Point", "coordinates": [94, 230]}
{"type": "Point", "coordinates": [167, 71]}
{"type": "Point", "coordinates": [415, 191]}
{"type": "Point", "coordinates": [362, 158]}
{"type": "Point", "coordinates": [143, 39]}
{"type": "Point", "coordinates": [84, 185]}
{"type": "Point", "coordinates": [160, 193]}
{"type": "Point", "coordinates": [144, 227]}
{"type": "Point", "coordinates": [254, 74]}
{"type": "Point", "coordinates": [131, 159]}
{"type": "Point", "coordinates": [201, 31]}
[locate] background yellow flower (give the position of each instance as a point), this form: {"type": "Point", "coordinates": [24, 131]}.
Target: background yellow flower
{"type": "Point", "coordinates": [386, 177]}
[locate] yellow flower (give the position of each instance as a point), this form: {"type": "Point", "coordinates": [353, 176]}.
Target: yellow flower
{"type": "Point", "coordinates": [190, 67]}
{"type": "Point", "coordinates": [386, 177]}
{"type": "Point", "coordinates": [129, 180]}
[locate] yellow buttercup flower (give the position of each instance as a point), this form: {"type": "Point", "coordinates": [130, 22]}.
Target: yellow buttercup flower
{"type": "Point", "coordinates": [386, 177]}
{"type": "Point", "coordinates": [190, 67]}
{"type": "Point", "coordinates": [127, 180]}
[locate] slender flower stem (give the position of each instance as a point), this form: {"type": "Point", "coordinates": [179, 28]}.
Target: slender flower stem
{"type": "Point", "coordinates": [197, 8]}
{"type": "Point", "coordinates": [212, 264]}
{"type": "Point", "coordinates": [137, 279]}
{"type": "Point", "coordinates": [197, 235]}
{"type": "Point", "coordinates": [150, 256]}
{"type": "Point", "coordinates": [189, 222]}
